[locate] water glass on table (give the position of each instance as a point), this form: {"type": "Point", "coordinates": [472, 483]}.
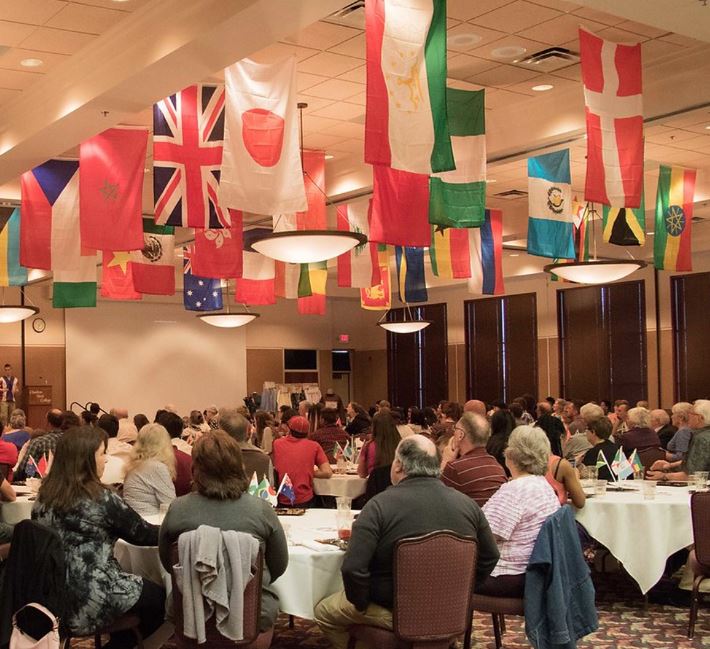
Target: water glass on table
{"type": "Point", "coordinates": [588, 475]}
{"type": "Point", "coordinates": [600, 487]}
{"type": "Point", "coordinates": [698, 480]}
{"type": "Point", "coordinates": [648, 489]}
{"type": "Point", "coordinates": [344, 523]}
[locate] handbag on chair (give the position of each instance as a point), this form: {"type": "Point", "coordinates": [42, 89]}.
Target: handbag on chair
{"type": "Point", "coordinates": [34, 619]}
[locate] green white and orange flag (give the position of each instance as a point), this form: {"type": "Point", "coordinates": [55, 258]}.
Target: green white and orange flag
{"type": "Point", "coordinates": [457, 199]}
{"type": "Point", "coordinates": [674, 216]}
{"type": "Point", "coordinates": [406, 126]}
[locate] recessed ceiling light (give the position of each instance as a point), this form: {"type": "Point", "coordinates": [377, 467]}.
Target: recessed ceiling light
{"type": "Point", "coordinates": [146, 170]}
{"type": "Point", "coordinates": [543, 87]}
{"type": "Point", "coordinates": [508, 52]}
{"type": "Point", "coordinates": [31, 63]}
{"type": "Point", "coordinates": [329, 156]}
{"type": "Point", "coordinates": [515, 254]}
{"type": "Point", "coordinates": [464, 39]}
{"type": "Point", "coordinates": [650, 232]}
{"type": "Point", "coordinates": [491, 180]}
{"type": "Point", "coordinates": [708, 127]}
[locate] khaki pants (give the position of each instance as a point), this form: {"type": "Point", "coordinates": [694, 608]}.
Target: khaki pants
{"type": "Point", "coordinates": [6, 407]}
{"type": "Point", "coordinates": [335, 614]}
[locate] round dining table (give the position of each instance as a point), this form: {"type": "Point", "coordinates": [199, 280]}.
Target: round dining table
{"type": "Point", "coordinates": [348, 484]}
{"type": "Point", "coordinates": [19, 509]}
{"type": "Point", "coordinates": [640, 533]}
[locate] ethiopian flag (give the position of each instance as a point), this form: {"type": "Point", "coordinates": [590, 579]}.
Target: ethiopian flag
{"type": "Point", "coordinates": [457, 198]}
{"type": "Point", "coordinates": [674, 215]}
{"type": "Point", "coordinates": [406, 126]}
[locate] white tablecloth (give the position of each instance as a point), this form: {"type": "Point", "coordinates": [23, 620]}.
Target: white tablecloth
{"type": "Point", "coordinates": [351, 486]}
{"type": "Point", "coordinates": [18, 510]}
{"type": "Point", "coordinates": [640, 533]}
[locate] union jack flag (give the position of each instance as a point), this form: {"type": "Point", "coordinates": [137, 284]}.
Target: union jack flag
{"type": "Point", "coordinates": [188, 134]}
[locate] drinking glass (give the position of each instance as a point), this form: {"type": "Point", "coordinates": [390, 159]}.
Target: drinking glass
{"type": "Point", "coordinates": [344, 523]}
{"type": "Point", "coordinates": [648, 489]}
{"type": "Point", "coordinates": [701, 480]}
{"type": "Point", "coordinates": [343, 502]}
{"type": "Point", "coordinates": [600, 488]}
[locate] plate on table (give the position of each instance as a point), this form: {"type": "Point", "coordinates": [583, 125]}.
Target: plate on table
{"type": "Point", "coordinates": [341, 544]}
{"type": "Point", "coordinates": [289, 511]}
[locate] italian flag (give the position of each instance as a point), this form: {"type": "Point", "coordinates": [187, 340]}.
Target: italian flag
{"type": "Point", "coordinates": [674, 217]}
{"type": "Point", "coordinates": [457, 199]}
{"type": "Point", "coordinates": [406, 126]}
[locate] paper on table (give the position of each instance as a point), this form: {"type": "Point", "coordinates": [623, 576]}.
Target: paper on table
{"type": "Point", "coordinates": [317, 547]}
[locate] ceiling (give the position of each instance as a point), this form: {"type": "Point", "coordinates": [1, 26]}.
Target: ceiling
{"type": "Point", "coordinates": [105, 56]}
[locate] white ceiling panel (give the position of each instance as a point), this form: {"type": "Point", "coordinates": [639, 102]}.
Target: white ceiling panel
{"type": "Point", "coordinates": [340, 110]}
{"type": "Point", "coordinates": [516, 16]}
{"type": "Point", "coordinates": [322, 35]}
{"type": "Point", "coordinates": [11, 59]}
{"type": "Point", "coordinates": [327, 63]}
{"type": "Point", "coordinates": [31, 12]}
{"type": "Point", "coordinates": [86, 19]}
{"type": "Point", "coordinates": [12, 34]}
{"type": "Point", "coordinates": [335, 89]}
{"type": "Point", "coordinates": [352, 47]}
{"type": "Point", "coordinates": [57, 41]}
{"type": "Point", "coordinates": [467, 9]}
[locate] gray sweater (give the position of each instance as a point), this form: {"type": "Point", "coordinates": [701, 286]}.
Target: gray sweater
{"type": "Point", "coordinates": [246, 514]}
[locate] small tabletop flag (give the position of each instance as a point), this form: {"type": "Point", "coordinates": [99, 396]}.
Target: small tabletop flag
{"type": "Point", "coordinates": [635, 462]}
{"type": "Point", "coordinates": [621, 466]}
{"type": "Point", "coordinates": [253, 488]}
{"type": "Point", "coordinates": [286, 489]}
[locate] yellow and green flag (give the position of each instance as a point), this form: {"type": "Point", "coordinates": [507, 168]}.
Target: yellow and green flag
{"type": "Point", "coordinates": [674, 216]}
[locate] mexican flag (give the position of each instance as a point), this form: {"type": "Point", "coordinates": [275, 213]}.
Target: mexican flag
{"type": "Point", "coordinates": [154, 265]}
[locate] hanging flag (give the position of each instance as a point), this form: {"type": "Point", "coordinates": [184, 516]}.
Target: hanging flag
{"type": "Point", "coordinates": [410, 274]}
{"type": "Point", "coordinates": [399, 213]}
{"type": "Point", "coordinates": [154, 265]}
{"type": "Point", "coordinates": [188, 132]}
{"type": "Point", "coordinates": [314, 218]}
{"type": "Point", "coordinates": [286, 279]}
{"type": "Point", "coordinates": [674, 218]}
{"type": "Point", "coordinates": [11, 272]}
{"type": "Point", "coordinates": [550, 205]}
{"type": "Point", "coordinates": [449, 252]}
{"type": "Point", "coordinates": [357, 268]}
{"type": "Point", "coordinates": [486, 249]}
{"type": "Point", "coordinates": [50, 200]}
{"type": "Point", "coordinates": [77, 287]}
{"type": "Point", "coordinates": [405, 118]}
{"type": "Point", "coordinates": [199, 293]}
{"type": "Point", "coordinates": [580, 232]}
{"type": "Point", "coordinates": [379, 296]}
{"type": "Point", "coordinates": [218, 252]}
{"type": "Point", "coordinates": [458, 198]}
{"type": "Point", "coordinates": [286, 489]}
{"type": "Point", "coordinates": [311, 288]}
{"type": "Point", "coordinates": [117, 276]}
{"type": "Point", "coordinates": [111, 189]}
{"type": "Point", "coordinates": [625, 226]}
{"type": "Point", "coordinates": [256, 286]}
{"type": "Point", "coordinates": [261, 164]}
{"type": "Point", "coordinates": [611, 74]}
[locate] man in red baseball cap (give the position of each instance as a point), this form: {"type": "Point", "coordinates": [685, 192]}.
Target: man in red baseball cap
{"type": "Point", "coordinates": [297, 455]}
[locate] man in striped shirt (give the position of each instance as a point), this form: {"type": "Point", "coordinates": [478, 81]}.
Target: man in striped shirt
{"type": "Point", "coordinates": [465, 464]}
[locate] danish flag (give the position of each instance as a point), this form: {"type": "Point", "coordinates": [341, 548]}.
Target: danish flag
{"type": "Point", "coordinates": [611, 73]}
{"type": "Point", "coordinates": [188, 133]}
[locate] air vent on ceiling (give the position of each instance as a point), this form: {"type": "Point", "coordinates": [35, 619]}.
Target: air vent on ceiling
{"type": "Point", "coordinates": [352, 15]}
{"type": "Point", "coordinates": [550, 59]}
{"type": "Point", "coordinates": [511, 194]}
{"type": "Point", "coordinates": [698, 219]}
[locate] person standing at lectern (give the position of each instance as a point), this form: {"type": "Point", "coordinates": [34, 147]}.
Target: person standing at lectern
{"type": "Point", "coordinates": [8, 391]}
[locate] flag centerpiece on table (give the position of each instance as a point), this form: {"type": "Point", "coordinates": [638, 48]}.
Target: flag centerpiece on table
{"type": "Point", "coordinates": [611, 74]}
{"type": "Point", "coordinates": [674, 218]}
{"type": "Point", "coordinates": [188, 132]}
{"type": "Point", "coordinates": [550, 204]}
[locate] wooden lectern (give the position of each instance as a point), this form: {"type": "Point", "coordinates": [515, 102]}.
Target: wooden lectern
{"type": "Point", "coordinates": [38, 400]}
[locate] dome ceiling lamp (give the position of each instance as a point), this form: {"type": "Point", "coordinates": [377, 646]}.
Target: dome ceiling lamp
{"type": "Point", "coordinates": [595, 271]}
{"type": "Point", "coordinates": [10, 313]}
{"type": "Point", "coordinates": [306, 246]}
{"type": "Point", "coordinates": [409, 324]}
{"type": "Point", "coordinates": [228, 320]}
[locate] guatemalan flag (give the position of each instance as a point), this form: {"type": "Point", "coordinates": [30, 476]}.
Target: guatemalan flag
{"type": "Point", "coordinates": [405, 125]}
{"type": "Point", "coordinates": [188, 133]}
{"type": "Point", "coordinates": [611, 73]}
{"type": "Point", "coordinates": [261, 164]}
{"type": "Point", "coordinates": [550, 227]}
{"type": "Point", "coordinates": [486, 250]}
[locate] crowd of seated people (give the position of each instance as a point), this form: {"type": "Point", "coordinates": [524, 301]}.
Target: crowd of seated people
{"type": "Point", "coordinates": [495, 472]}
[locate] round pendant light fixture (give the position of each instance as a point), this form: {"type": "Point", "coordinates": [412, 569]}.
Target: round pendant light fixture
{"type": "Point", "coordinates": [408, 325]}
{"type": "Point", "coordinates": [228, 320]}
{"type": "Point", "coordinates": [16, 312]}
{"type": "Point", "coordinates": [305, 246]}
{"type": "Point", "coordinates": [596, 271]}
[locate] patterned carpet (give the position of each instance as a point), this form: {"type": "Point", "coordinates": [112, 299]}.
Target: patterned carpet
{"type": "Point", "coordinates": [624, 622]}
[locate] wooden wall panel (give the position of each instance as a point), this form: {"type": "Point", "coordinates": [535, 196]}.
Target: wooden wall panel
{"type": "Point", "coordinates": [369, 376]}
{"type": "Point", "coordinates": [264, 365]}
{"type": "Point", "coordinates": [45, 365]}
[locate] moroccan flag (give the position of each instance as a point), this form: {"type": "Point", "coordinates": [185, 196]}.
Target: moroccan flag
{"type": "Point", "coordinates": [674, 218]}
{"type": "Point", "coordinates": [286, 279]}
{"type": "Point", "coordinates": [410, 274]}
{"type": "Point", "coordinates": [11, 272]}
{"type": "Point", "coordinates": [218, 252]}
{"type": "Point", "coordinates": [458, 198]}
{"type": "Point", "coordinates": [111, 189]}
{"type": "Point", "coordinates": [261, 163]}
{"type": "Point", "coordinates": [611, 74]}
{"type": "Point", "coordinates": [625, 226]}
{"type": "Point", "coordinates": [405, 118]}
{"type": "Point", "coordinates": [379, 296]}
{"type": "Point", "coordinates": [50, 206]}
{"type": "Point", "coordinates": [154, 265]}
{"type": "Point", "coordinates": [400, 208]}
{"type": "Point", "coordinates": [358, 267]}
{"type": "Point", "coordinates": [117, 276]}
{"type": "Point", "coordinates": [311, 288]}
{"type": "Point", "coordinates": [449, 252]}
{"type": "Point", "coordinates": [199, 293]}
{"type": "Point", "coordinates": [257, 285]}
{"type": "Point", "coordinates": [486, 245]}
{"type": "Point", "coordinates": [188, 130]}
{"type": "Point", "coordinates": [550, 204]}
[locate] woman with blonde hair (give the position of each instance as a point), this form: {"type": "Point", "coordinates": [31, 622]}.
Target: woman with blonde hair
{"type": "Point", "coordinates": [151, 471]}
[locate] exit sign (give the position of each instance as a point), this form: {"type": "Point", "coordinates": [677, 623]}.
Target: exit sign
{"type": "Point", "coordinates": [344, 338]}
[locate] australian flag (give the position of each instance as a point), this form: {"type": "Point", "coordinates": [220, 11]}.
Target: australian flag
{"type": "Point", "coordinates": [286, 489]}
{"type": "Point", "coordinates": [188, 134]}
{"type": "Point", "coordinates": [199, 293]}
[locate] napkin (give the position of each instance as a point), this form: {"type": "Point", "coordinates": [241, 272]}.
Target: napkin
{"type": "Point", "coordinates": [317, 547]}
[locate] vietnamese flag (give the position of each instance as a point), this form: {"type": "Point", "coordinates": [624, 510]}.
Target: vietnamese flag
{"type": "Point", "coordinates": [111, 188]}
{"type": "Point", "coordinates": [117, 276]}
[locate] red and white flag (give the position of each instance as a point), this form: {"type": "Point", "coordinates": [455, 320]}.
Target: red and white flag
{"type": "Point", "coordinates": [357, 268]}
{"type": "Point", "coordinates": [261, 164]}
{"type": "Point", "coordinates": [111, 189]}
{"type": "Point", "coordinates": [611, 73]}
{"type": "Point", "coordinates": [218, 252]}
{"type": "Point", "coordinates": [257, 284]}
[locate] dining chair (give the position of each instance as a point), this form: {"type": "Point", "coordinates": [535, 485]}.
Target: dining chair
{"type": "Point", "coordinates": [700, 554]}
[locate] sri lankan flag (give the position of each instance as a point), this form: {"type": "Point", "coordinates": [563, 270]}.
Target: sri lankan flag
{"type": "Point", "coordinates": [624, 226]}
{"type": "Point", "coordinates": [311, 288]}
{"type": "Point", "coordinates": [379, 296]}
{"type": "Point", "coordinates": [449, 253]}
{"type": "Point", "coordinates": [674, 215]}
